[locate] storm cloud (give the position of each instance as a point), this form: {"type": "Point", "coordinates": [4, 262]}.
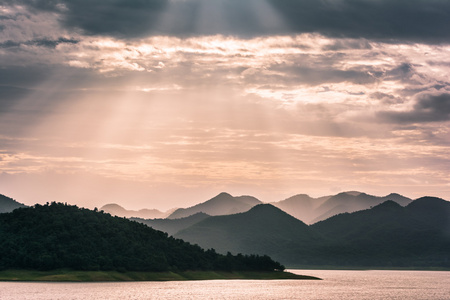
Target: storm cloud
{"type": "Point", "coordinates": [408, 20]}
{"type": "Point", "coordinates": [427, 108]}
{"type": "Point", "coordinates": [416, 20]}
{"type": "Point", "coordinates": [38, 42]}
{"type": "Point", "coordinates": [169, 96]}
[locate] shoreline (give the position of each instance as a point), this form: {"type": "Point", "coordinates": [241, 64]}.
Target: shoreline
{"type": "Point", "coordinates": [115, 276]}
{"type": "Point", "coordinates": [344, 268]}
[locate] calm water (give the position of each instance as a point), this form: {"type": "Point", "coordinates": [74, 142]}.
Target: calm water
{"type": "Point", "coordinates": [336, 285]}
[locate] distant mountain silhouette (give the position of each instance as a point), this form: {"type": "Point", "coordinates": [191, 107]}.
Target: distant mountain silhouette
{"type": "Point", "coordinates": [392, 235]}
{"type": "Point", "coordinates": [387, 235]}
{"type": "Point", "coordinates": [172, 226]}
{"type": "Point", "coordinates": [264, 229]}
{"type": "Point", "coordinates": [8, 204]}
{"type": "Point", "coordinates": [301, 206]}
{"type": "Point", "coordinates": [311, 210]}
{"type": "Point", "coordinates": [222, 204]}
{"type": "Point", "coordinates": [117, 210]}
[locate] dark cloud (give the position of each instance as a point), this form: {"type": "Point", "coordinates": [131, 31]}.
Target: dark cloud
{"type": "Point", "coordinates": [386, 98]}
{"type": "Point", "coordinates": [285, 75]}
{"type": "Point", "coordinates": [30, 90]}
{"type": "Point", "coordinates": [339, 45]}
{"type": "Point", "coordinates": [23, 76]}
{"type": "Point", "coordinates": [411, 20]}
{"type": "Point", "coordinates": [124, 18]}
{"type": "Point", "coordinates": [136, 18]}
{"type": "Point", "coordinates": [373, 19]}
{"type": "Point", "coordinates": [428, 108]}
{"type": "Point", "coordinates": [404, 72]}
{"type": "Point", "coordinates": [114, 17]}
{"type": "Point", "coordinates": [39, 42]}
{"type": "Point", "coordinates": [9, 95]}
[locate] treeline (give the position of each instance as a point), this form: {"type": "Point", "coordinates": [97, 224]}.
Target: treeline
{"type": "Point", "coordinates": [56, 235]}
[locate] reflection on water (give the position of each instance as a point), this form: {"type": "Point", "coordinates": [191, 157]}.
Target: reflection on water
{"type": "Point", "coordinates": [336, 285]}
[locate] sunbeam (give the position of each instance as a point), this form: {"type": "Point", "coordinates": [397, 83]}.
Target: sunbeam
{"type": "Point", "coordinates": [219, 95]}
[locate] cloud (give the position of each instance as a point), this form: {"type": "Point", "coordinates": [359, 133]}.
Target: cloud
{"type": "Point", "coordinates": [429, 107]}
{"type": "Point", "coordinates": [411, 20]}
{"type": "Point", "coordinates": [39, 42]}
{"type": "Point", "coordinates": [8, 96]}
{"type": "Point", "coordinates": [418, 20]}
{"type": "Point", "coordinates": [121, 18]}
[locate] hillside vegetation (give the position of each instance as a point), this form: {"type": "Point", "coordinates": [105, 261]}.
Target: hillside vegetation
{"type": "Point", "coordinates": [55, 236]}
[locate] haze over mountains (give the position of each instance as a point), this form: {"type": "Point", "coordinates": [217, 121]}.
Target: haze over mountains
{"type": "Point", "coordinates": [117, 210]}
{"type": "Point", "coordinates": [393, 231]}
{"type": "Point", "coordinates": [387, 235]}
{"type": "Point", "coordinates": [264, 228]}
{"type": "Point", "coordinates": [303, 207]}
{"type": "Point", "coordinates": [389, 231]}
{"type": "Point", "coordinates": [222, 204]}
{"type": "Point", "coordinates": [172, 226]}
{"type": "Point", "coordinates": [311, 210]}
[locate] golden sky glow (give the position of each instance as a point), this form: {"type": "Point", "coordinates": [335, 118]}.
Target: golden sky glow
{"type": "Point", "coordinates": [168, 120]}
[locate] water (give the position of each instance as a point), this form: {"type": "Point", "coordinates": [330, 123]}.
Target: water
{"type": "Point", "coordinates": [346, 285]}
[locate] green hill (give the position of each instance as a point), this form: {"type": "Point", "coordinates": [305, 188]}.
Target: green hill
{"type": "Point", "coordinates": [55, 236]}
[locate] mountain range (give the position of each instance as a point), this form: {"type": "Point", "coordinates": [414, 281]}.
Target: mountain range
{"type": "Point", "coordinates": [303, 207]}
{"type": "Point", "coordinates": [172, 226]}
{"type": "Point", "coordinates": [312, 210]}
{"type": "Point", "coordinates": [222, 204]}
{"type": "Point", "coordinates": [262, 229]}
{"type": "Point", "coordinates": [389, 231]}
{"type": "Point", "coordinates": [388, 234]}
{"type": "Point", "coordinates": [119, 211]}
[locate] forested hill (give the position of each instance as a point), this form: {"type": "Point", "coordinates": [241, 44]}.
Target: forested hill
{"type": "Point", "coordinates": [8, 204]}
{"type": "Point", "coordinates": [57, 236]}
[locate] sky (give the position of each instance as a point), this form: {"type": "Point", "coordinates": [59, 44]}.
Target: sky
{"type": "Point", "coordinates": [166, 103]}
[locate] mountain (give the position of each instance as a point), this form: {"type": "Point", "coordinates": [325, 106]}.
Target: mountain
{"type": "Point", "coordinates": [350, 202]}
{"type": "Point", "coordinates": [264, 229]}
{"type": "Point", "coordinates": [8, 204]}
{"type": "Point", "coordinates": [59, 236]}
{"type": "Point", "coordinates": [386, 235]}
{"type": "Point", "coordinates": [222, 204]}
{"type": "Point", "coordinates": [301, 206]}
{"type": "Point", "coordinates": [312, 210]}
{"type": "Point", "coordinates": [172, 226]}
{"type": "Point", "coordinates": [391, 235]}
{"type": "Point", "coordinates": [117, 210]}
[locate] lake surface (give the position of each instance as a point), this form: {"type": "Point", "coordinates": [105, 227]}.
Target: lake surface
{"type": "Point", "coordinates": [336, 285]}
